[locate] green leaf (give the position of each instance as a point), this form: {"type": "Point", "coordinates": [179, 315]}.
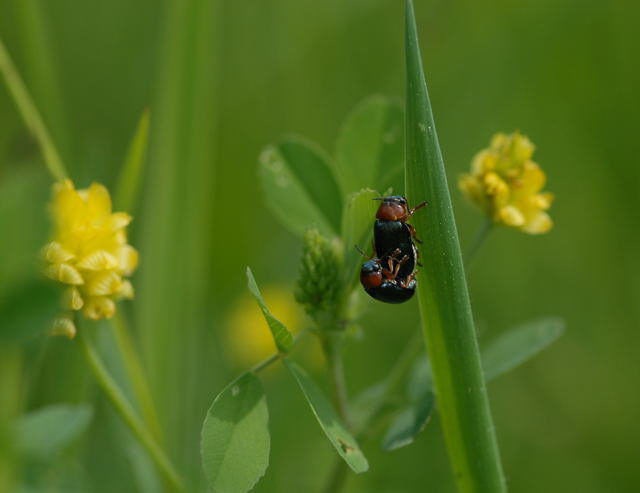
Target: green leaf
{"type": "Point", "coordinates": [28, 310]}
{"type": "Point", "coordinates": [331, 424]}
{"type": "Point", "coordinates": [281, 335]}
{"type": "Point", "coordinates": [443, 297]}
{"type": "Point", "coordinates": [300, 188]}
{"type": "Point", "coordinates": [42, 434]}
{"type": "Point", "coordinates": [520, 344]}
{"type": "Point", "coordinates": [132, 169]}
{"type": "Point", "coordinates": [409, 422]}
{"type": "Point", "coordinates": [369, 150]}
{"type": "Point", "coordinates": [363, 406]}
{"type": "Point", "coordinates": [235, 437]}
{"type": "Point", "coordinates": [357, 229]}
{"type": "Point", "coordinates": [504, 354]}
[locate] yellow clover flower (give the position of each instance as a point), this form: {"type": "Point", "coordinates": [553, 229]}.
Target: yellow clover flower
{"type": "Point", "coordinates": [89, 253]}
{"type": "Point", "coordinates": [506, 184]}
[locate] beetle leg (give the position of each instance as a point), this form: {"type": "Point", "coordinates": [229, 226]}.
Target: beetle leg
{"type": "Point", "coordinates": [412, 230]}
{"type": "Point", "coordinates": [407, 281]}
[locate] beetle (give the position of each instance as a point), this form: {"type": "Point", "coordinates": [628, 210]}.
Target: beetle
{"type": "Point", "coordinates": [383, 284]}
{"type": "Point", "coordinates": [391, 231]}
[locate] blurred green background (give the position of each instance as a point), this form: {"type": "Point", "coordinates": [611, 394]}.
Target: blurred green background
{"type": "Point", "coordinates": [222, 80]}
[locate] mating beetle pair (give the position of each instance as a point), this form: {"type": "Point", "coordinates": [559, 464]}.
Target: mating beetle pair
{"type": "Point", "coordinates": [390, 275]}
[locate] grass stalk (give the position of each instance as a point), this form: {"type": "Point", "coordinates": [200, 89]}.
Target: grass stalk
{"type": "Point", "coordinates": [136, 374]}
{"type": "Point", "coordinates": [31, 115]}
{"type": "Point", "coordinates": [332, 343]}
{"type": "Point", "coordinates": [126, 412]}
{"type": "Point", "coordinates": [443, 296]}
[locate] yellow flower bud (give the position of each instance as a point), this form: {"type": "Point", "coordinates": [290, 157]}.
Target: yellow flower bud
{"type": "Point", "coordinates": [506, 184]}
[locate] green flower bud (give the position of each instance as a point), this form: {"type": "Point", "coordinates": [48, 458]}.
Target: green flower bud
{"type": "Point", "coordinates": [319, 287]}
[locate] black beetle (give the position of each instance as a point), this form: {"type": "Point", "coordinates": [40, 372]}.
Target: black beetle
{"type": "Point", "coordinates": [383, 284]}
{"type": "Point", "coordinates": [391, 232]}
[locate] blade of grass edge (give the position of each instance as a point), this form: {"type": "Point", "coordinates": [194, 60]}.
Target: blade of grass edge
{"type": "Point", "coordinates": [131, 172]}
{"type": "Point", "coordinates": [443, 296]}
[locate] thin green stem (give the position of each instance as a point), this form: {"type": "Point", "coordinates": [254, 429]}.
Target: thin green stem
{"type": "Point", "coordinates": [332, 345]}
{"type": "Point", "coordinates": [136, 374]}
{"type": "Point", "coordinates": [265, 363]}
{"type": "Point", "coordinates": [30, 114]}
{"type": "Point", "coordinates": [126, 412]}
{"type": "Point", "coordinates": [395, 378]}
{"type": "Point", "coordinates": [478, 241]}
{"type": "Point", "coordinates": [412, 349]}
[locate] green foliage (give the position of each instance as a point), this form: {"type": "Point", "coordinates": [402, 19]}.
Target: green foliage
{"type": "Point", "coordinates": [44, 433]}
{"type": "Point", "coordinates": [281, 335]}
{"type": "Point", "coordinates": [319, 284]}
{"type": "Point", "coordinates": [369, 150]}
{"type": "Point", "coordinates": [132, 170]}
{"type": "Point", "coordinates": [507, 352]}
{"type": "Point", "coordinates": [235, 437]}
{"type": "Point", "coordinates": [300, 188]}
{"type": "Point", "coordinates": [409, 422]}
{"type": "Point", "coordinates": [331, 424]}
{"type": "Point", "coordinates": [520, 344]}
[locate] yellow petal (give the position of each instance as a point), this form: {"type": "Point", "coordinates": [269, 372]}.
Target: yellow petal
{"type": "Point", "coordinates": [72, 299]}
{"type": "Point", "coordinates": [99, 307]}
{"type": "Point", "coordinates": [104, 284]}
{"type": "Point", "coordinates": [63, 326]}
{"type": "Point", "coordinates": [127, 260]}
{"type": "Point", "coordinates": [126, 290]}
{"type": "Point", "coordinates": [98, 202]}
{"type": "Point", "coordinates": [67, 206]}
{"type": "Point", "coordinates": [120, 220]}
{"type": "Point", "coordinates": [539, 224]}
{"type": "Point", "coordinates": [511, 216]}
{"type": "Point", "coordinates": [54, 253]}
{"type": "Point", "coordinates": [532, 178]}
{"type": "Point", "coordinates": [521, 148]}
{"type": "Point", "coordinates": [64, 273]}
{"type": "Point", "coordinates": [98, 260]}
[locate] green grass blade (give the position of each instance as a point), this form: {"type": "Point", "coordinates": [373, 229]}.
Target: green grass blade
{"type": "Point", "coordinates": [369, 150]}
{"type": "Point", "coordinates": [132, 169]}
{"type": "Point", "coordinates": [31, 115]}
{"type": "Point", "coordinates": [281, 335]}
{"type": "Point", "coordinates": [519, 344]}
{"type": "Point", "coordinates": [235, 436]}
{"type": "Point", "coordinates": [331, 424]}
{"type": "Point", "coordinates": [443, 296]}
{"type": "Point", "coordinates": [299, 186]}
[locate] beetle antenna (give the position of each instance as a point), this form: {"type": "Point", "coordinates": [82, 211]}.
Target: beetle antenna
{"type": "Point", "coordinates": [360, 251]}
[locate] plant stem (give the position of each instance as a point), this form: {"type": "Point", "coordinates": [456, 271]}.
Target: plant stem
{"type": "Point", "coordinates": [126, 412]}
{"type": "Point", "coordinates": [136, 374]}
{"type": "Point", "coordinates": [444, 298]}
{"type": "Point", "coordinates": [30, 115]}
{"type": "Point", "coordinates": [265, 363]}
{"type": "Point", "coordinates": [481, 236]}
{"type": "Point", "coordinates": [332, 345]}
{"type": "Point", "coordinates": [396, 376]}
